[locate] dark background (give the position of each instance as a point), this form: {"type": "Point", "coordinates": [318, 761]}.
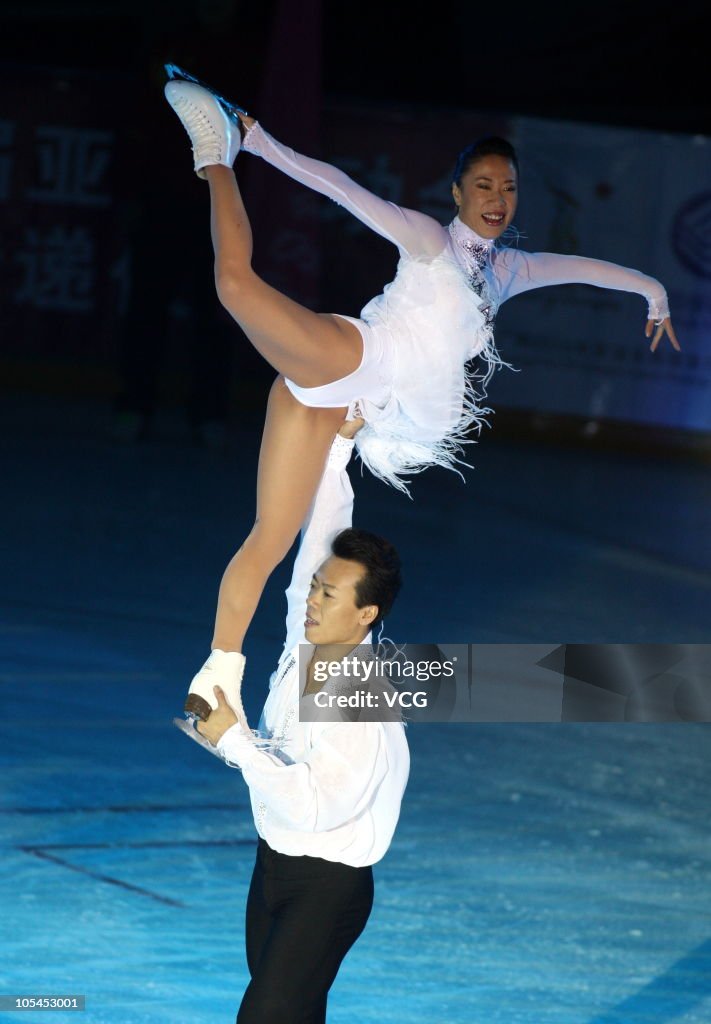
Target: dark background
{"type": "Point", "coordinates": [639, 64]}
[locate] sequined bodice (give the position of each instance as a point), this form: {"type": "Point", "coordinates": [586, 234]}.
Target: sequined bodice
{"type": "Point", "coordinates": [474, 255]}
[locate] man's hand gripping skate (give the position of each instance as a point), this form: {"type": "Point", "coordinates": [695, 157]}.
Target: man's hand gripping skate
{"type": "Point", "coordinates": [221, 674]}
{"type": "Point", "coordinates": [220, 719]}
{"type": "Point", "coordinates": [207, 733]}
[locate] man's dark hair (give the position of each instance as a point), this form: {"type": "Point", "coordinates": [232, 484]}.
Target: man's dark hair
{"type": "Point", "coordinates": [492, 145]}
{"type": "Point", "coordinates": [382, 578]}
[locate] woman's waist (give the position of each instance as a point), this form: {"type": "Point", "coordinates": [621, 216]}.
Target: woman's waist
{"type": "Point", "coordinates": [455, 325]}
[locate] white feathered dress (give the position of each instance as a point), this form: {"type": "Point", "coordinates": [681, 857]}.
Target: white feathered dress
{"type": "Point", "coordinates": [417, 387]}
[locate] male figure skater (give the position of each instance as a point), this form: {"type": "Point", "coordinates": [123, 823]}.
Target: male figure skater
{"type": "Point", "coordinates": [327, 807]}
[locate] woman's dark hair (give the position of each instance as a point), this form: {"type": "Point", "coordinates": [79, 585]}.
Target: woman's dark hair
{"type": "Point", "coordinates": [492, 145]}
{"type": "Point", "coordinates": [382, 579]}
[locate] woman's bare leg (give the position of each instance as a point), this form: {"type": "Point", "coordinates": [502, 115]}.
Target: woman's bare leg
{"type": "Point", "coordinates": [309, 348]}
{"type": "Point", "coordinates": [294, 449]}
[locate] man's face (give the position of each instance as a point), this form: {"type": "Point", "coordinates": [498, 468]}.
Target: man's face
{"type": "Point", "coordinates": [331, 613]}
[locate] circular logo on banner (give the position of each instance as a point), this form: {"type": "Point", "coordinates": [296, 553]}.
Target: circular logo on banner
{"type": "Point", "coordinates": [691, 234]}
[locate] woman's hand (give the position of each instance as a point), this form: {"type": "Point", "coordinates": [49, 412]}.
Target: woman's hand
{"type": "Point", "coordinates": [247, 121]}
{"type": "Point", "coordinates": [665, 327]}
{"type": "Point", "coordinates": [351, 427]}
{"type": "Point", "coordinates": [219, 720]}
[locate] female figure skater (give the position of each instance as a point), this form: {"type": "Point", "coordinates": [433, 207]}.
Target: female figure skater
{"type": "Point", "coordinates": [402, 367]}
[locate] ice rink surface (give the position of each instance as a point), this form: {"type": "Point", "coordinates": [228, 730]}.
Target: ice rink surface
{"type": "Point", "coordinates": [540, 874]}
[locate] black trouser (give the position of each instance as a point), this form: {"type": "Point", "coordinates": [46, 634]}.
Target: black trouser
{"type": "Point", "coordinates": [303, 915]}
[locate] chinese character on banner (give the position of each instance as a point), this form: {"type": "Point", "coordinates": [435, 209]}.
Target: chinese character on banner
{"type": "Point", "coordinates": [58, 269]}
{"type": "Point", "coordinates": [71, 163]}
{"type": "Point", "coordinates": [7, 132]}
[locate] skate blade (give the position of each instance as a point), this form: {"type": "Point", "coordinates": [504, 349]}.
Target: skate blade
{"type": "Point", "coordinates": [187, 725]}
{"type": "Point", "coordinates": [175, 72]}
{"type": "Point", "coordinates": [264, 742]}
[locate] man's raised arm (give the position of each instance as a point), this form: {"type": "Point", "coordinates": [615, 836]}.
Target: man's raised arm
{"type": "Point", "coordinates": [331, 511]}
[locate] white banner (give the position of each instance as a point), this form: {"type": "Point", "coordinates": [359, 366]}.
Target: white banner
{"type": "Point", "coordinates": [637, 198]}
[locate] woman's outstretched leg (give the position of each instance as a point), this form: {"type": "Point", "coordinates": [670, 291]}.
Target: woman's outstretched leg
{"type": "Point", "coordinates": [294, 449]}
{"type": "Point", "coordinates": [309, 348]}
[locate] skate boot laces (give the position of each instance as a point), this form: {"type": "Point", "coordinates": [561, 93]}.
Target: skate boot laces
{"type": "Point", "coordinates": [206, 139]}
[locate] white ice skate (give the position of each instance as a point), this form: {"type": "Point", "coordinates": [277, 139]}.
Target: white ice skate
{"type": "Point", "coordinates": [224, 669]}
{"type": "Point", "coordinates": [214, 133]}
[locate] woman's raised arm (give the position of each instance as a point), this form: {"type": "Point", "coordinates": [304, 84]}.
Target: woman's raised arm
{"type": "Point", "coordinates": [413, 233]}
{"type": "Point", "coordinates": [519, 272]}
{"type": "Point", "coordinates": [522, 271]}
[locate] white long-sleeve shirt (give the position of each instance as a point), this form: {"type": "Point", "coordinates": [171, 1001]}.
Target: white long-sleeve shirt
{"type": "Point", "coordinates": [335, 792]}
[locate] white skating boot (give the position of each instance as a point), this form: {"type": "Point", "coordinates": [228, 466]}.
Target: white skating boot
{"type": "Point", "coordinates": [214, 134]}
{"type": "Point", "coordinates": [224, 669]}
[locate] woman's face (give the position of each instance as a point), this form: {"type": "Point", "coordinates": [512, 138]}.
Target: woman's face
{"type": "Point", "coordinates": [487, 196]}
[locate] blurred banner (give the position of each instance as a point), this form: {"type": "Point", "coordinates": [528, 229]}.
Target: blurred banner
{"type": "Point", "coordinates": [107, 265]}
{"type": "Point", "coordinates": [64, 269]}
{"type": "Point", "coordinates": [637, 198]}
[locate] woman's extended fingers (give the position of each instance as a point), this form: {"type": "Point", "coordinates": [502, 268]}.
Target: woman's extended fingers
{"type": "Point", "coordinates": [665, 327]}
{"type": "Point", "coordinates": [672, 335]}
